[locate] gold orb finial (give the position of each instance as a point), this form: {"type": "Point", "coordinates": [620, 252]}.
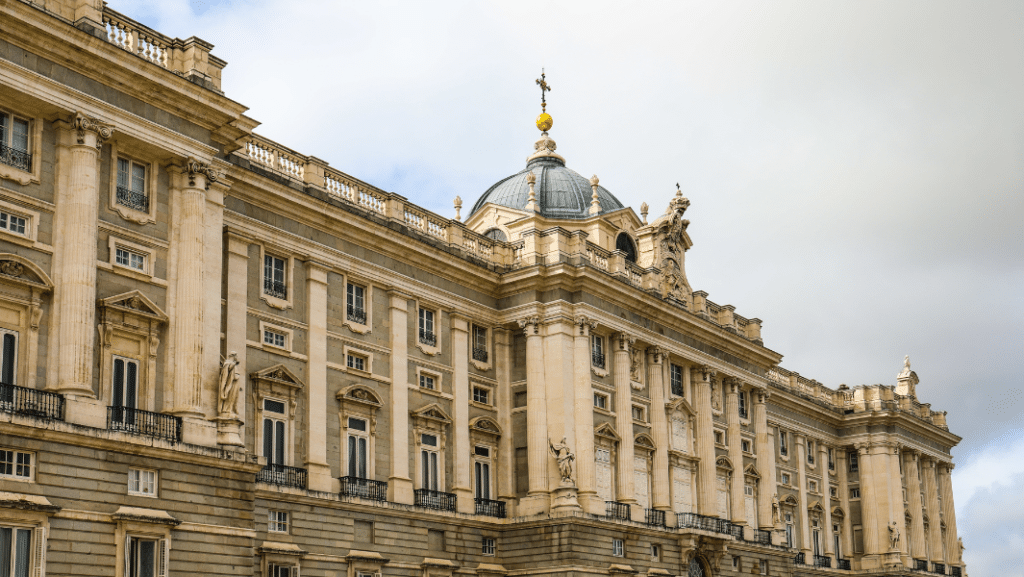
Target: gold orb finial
{"type": "Point", "coordinates": [544, 122]}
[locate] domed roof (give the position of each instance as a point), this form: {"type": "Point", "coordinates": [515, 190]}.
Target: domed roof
{"type": "Point", "coordinates": [561, 192]}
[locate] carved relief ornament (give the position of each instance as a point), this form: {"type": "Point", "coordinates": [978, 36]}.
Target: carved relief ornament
{"type": "Point", "coordinates": [672, 242]}
{"type": "Point", "coordinates": [82, 124]}
{"type": "Point", "coordinates": [530, 325]}
{"type": "Point", "coordinates": [585, 325]}
{"type": "Point", "coordinates": [194, 168]}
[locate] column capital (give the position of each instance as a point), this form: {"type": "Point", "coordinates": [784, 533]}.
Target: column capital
{"type": "Point", "coordinates": [530, 325]}
{"type": "Point", "coordinates": [761, 396]}
{"type": "Point", "coordinates": [702, 373]}
{"type": "Point", "coordinates": [584, 325]}
{"type": "Point", "coordinates": [84, 125]}
{"type": "Point", "coordinates": [732, 384]}
{"type": "Point", "coordinates": [624, 342]}
{"type": "Point", "coordinates": [204, 173]}
{"type": "Point", "coordinates": [655, 355]}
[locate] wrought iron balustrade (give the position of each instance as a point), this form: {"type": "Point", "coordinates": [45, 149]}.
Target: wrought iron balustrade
{"type": "Point", "coordinates": [19, 159]}
{"type": "Point", "coordinates": [357, 316]}
{"type": "Point", "coordinates": [954, 571]}
{"type": "Point", "coordinates": [282, 475]}
{"type": "Point", "coordinates": [490, 508]}
{"type": "Point", "coordinates": [677, 389]}
{"type": "Point", "coordinates": [434, 500]}
{"type": "Point", "coordinates": [597, 359]}
{"type": "Point", "coordinates": [274, 288]}
{"type": "Point", "coordinates": [147, 423]}
{"type": "Point", "coordinates": [32, 402]}
{"type": "Point", "coordinates": [920, 564]}
{"type": "Point", "coordinates": [822, 561]}
{"type": "Point", "coordinates": [843, 564]}
{"type": "Point", "coordinates": [704, 523]}
{"type": "Point", "coordinates": [428, 338]}
{"type": "Point", "coordinates": [761, 536]}
{"type": "Point", "coordinates": [799, 559]}
{"type": "Point", "coordinates": [939, 568]}
{"type": "Point", "coordinates": [736, 531]}
{"type": "Point", "coordinates": [480, 355]}
{"type": "Point", "coordinates": [364, 488]}
{"type": "Point", "coordinates": [654, 517]}
{"type": "Point", "coordinates": [133, 199]}
{"type": "Point", "coordinates": [616, 510]}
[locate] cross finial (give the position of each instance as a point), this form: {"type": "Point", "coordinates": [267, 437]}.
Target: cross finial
{"type": "Point", "coordinates": [544, 87]}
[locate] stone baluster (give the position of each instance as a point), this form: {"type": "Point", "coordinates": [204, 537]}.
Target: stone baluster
{"type": "Point", "coordinates": [705, 436]}
{"type": "Point", "coordinates": [826, 501]}
{"type": "Point", "coordinates": [801, 463]}
{"type": "Point", "coordinates": [765, 459]}
{"type": "Point", "coordinates": [537, 421]}
{"type": "Point", "coordinates": [460, 409]}
{"type": "Point", "coordinates": [659, 426]}
{"type": "Point", "coordinates": [732, 419]}
{"type": "Point", "coordinates": [931, 496]}
{"type": "Point", "coordinates": [918, 546]}
{"type": "Point", "coordinates": [400, 488]}
{"type": "Point", "coordinates": [624, 416]}
{"type": "Point", "coordinates": [584, 414]}
{"type": "Point", "coordinates": [316, 370]}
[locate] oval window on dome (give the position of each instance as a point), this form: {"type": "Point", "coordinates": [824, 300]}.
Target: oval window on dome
{"type": "Point", "coordinates": [625, 244]}
{"type": "Point", "coordinates": [496, 234]}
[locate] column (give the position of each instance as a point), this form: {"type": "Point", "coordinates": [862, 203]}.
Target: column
{"type": "Point", "coordinates": [705, 436]}
{"type": "Point", "coordinates": [503, 403]}
{"type": "Point", "coordinates": [917, 536]}
{"type": "Point", "coordinates": [868, 502]}
{"type": "Point", "coordinates": [316, 372]}
{"type": "Point", "coordinates": [765, 459]}
{"type": "Point", "coordinates": [842, 466]}
{"type": "Point", "coordinates": [76, 213]}
{"type": "Point", "coordinates": [624, 417]}
{"type": "Point", "coordinates": [952, 555]}
{"type": "Point", "coordinates": [237, 317]}
{"type": "Point", "coordinates": [732, 420]}
{"type": "Point", "coordinates": [213, 241]}
{"type": "Point", "coordinates": [896, 497]}
{"type": "Point", "coordinates": [826, 502]}
{"type": "Point", "coordinates": [559, 381]}
{"type": "Point", "coordinates": [659, 424]}
{"type": "Point", "coordinates": [399, 483]}
{"type": "Point", "coordinates": [536, 419]}
{"type": "Point", "coordinates": [583, 411]}
{"type": "Point", "coordinates": [931, 497]}
{"type": "Point", "coordinates": [460, 414]}
{"type": "Point", "coordinates": [800, 443]}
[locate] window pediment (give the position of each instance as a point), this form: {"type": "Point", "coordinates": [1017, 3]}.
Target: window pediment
{"type": "Point", "coordinates": [751, 471]}
{"type": "Point", "coordinates": [278, 374]}
{"type": "Point", "coordinates": [644, 441]}
{"type": "Point", "coordinates": [485, 425]}
{"type": "Point", "coordinates": [134, 303]}
{"type": "Point", "coordinates": [27, 502]}
{"type": "Point", "coordinates": [724, 463]}
{"type": "Point", "coordinates": [680, 405]}
{"type": "Point", "coordinates": [607, 431]}
{"type": "Point", "coordinates": [359, 395]}
{"type": "Point", "coordinates": [20, 270]}
{"type": "Point", "coordinates": [432, 413]}
{"type": "Point", "coordinates": [790, 500]}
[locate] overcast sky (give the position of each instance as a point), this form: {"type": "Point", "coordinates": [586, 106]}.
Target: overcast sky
{"type": "Point", "coordinates": [856, 170]}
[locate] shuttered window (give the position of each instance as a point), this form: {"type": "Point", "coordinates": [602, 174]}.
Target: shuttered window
{"type": "Point", "coordinates": [126, 382]}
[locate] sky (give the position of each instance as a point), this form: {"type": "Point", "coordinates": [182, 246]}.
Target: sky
{"type": "Point", "coordinates": [856, 170]}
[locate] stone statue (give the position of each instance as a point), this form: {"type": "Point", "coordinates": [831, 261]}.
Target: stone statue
{"type": "Point", "coordinates": [716, 402]}
{"type": "Point", "coordinates": [960, 543]}
{"type": "Point", "coordinates": [564, 457]}
{"type": "Point", "coordinates": [894, 537]}
{"type": "Point", "coordinates": [906, 372]}
{"type": "Point", "coordinates": [776, 514]}
{"type": "Point", "coordinates": [229, 387]}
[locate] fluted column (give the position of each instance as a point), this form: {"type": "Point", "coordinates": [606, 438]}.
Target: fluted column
{"type": "Point", "coordinates": [583, 412]}
{"type": "Point", "coordinates": [624, 417]}
{"type": "Point", "coordinates": [316, 372]}
{"type": "Point", "coordinates": [659, 426]}
{"type": "Point", "coordinates": [931, 497]}
{"type": "Point", "coordinates": [917, 536]}
{"type": "Point", "coordinates": [237, 276]}
{"type": "Point", "coordinates": [536, 409]}
{"type": "Point", "coordinates": [75, 233]}
{"type": "Point", "coordinates": [826, 501]}
{"type": "Point", "coordinates": [460, 414]}
{"type": "Point", "coordinates": [399, 483]}
{"type": "Point", "coordinates": [732, 420]}
{"type": "Point", "coordinates": [705, 436]}
{"type": "Point", "coordinates": [503, 403]}
{"type": "Point", "coordinates": [868, 502]}
{"type": "Point", "coordinates": [952, 555]}
{"type": "Point", "coordinates": [765, 459]}
{"type": "Point", "coordinates": [844, 501]}
{"type": "Point", "coordinates": [801, 462]}
{"type": "Point", "coordinates": [896, 496]}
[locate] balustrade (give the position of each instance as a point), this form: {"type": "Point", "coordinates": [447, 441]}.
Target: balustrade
{"type": "Point", "coordinates": [617, 510]}
{"type": "Point", "coordinates": [283, 476]}
{"type": "Point", "coordinates": [822, 561]}
{"type": "Point", "coordinates": [140, 422]}
{"type": "Point", "coordinates": [490, 508]}
{"type": "Point", "coordinates": [654, 517]}
{"type": "Point", "coordinates": [704, 523]}
{"type": "Point", "coordinates": [843, 564]}
{"type": "Point", "coordinates": [133, 37]}
{"type": "Point", "coordinates": [32, 402]}
{"type": "Point", "coordinates": [20, 159]}
{"type": "Point", "coordinates": [364, 488]}
{"type": "Point", "coordinates": [434, 500]}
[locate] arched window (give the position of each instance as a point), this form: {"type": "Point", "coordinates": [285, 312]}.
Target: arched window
{"type": "Point", "coordinates": [496, 234]}
{"type": "Point", "coordinates": [696, 568]}
{"type": "Point", "coordinates": [625, 244]}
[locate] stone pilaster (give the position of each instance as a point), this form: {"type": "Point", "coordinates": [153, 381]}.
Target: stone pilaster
{"type": "Point", "coordinates": [881, 486]}
{"type": "Point", "coordinates": [237, 317]}
{"type": "Point", "coordinates": [559, 359]}
{"type": "Point", "coordinates": [826, 502]}
{"type": "Point", "coordinates": [659, 426]}
{"type": "Point", "coordinates": [732, 420]}
{"type": "Point", "coordinates": [503, 403]}
{"type": "Point", "coordinates": [846, 541]}
{"type": "Point", "coordinates": [460, 413]}
{"type": "Point", "coordinates": [931, 497]}
{"type": "Point", "coordinates": [896, 497]}
{"type": "Point", "coordinates": [952, 555]}
{"type": "Point", "coordinates": [765, 459]}
{"type": "Point", "coordinates": [800, 443]}
{"type": "Point", "coordinates": [911, 464]}
{"type": "Point", "coordinates": [399, 483]}
{"type": "Point", "coordinates": [705, 436]}
{"type": "Point", "coordinates": [624, 416]}
{"type": "Point", "coordinates": [583, 406]}
{"type": "Point", "coordinates": [537, 420]}
{"type": "Point", "coordinates": [316, 370]}
{"type": "Point", "coordinates": [869, 508]}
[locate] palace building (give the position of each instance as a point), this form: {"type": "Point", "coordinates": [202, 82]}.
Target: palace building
{"type": "Point", "coordinates": [225, 357]}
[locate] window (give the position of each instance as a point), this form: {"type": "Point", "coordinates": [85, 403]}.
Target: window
{"type": "Point", "coordinates": [12, 223]}
{"type": "Point", "coordinates": [601, 401]}
{"type": "Point", "coordinates": [125, 257]}
{"type": "Point", "coordinates": [832, 459]}
{"type": "Point", "coordinates": [358, 443]}
{"type": "Point", "coordinates": [835, 536]}
{"type": "Point", "coordinates": [274, 431]}
{"type": "Point", "coordinates": [519, 399]}
{"type": "Point", "coordinates": [719, 438]}
{"type": "Point", "coordinates": [357, 362]}
{"type": "Point", "coordinates": [789, 530]}
{"type": "Point", "coordinates": [427, 335]}
{"type": "Point", "coordinates": [276, 570]}
{"type": "Point", "coordinates": [277, 521]}
{"type": "Point", "coordinates": [274, 281]}
{"type": "Point", "coordinates": [783, 443]}
{"type": "Point", "coordinates": [426, 382]}
{"type": "Point", "coordinates": [785, 478]}
{"type": "Point", "coordinates": [597, 351]}
{"type": "Point", "coordinates": [428, 461]}
{"type": "Point", "coordinates": [482, 472]}
{"type": "Point", "coordinates": [854, 466]}
{"type": "Point", "coordinates": [496, 234]}
{"type": "Point", "coordinates": [274, 338]}
{"type": "Point", "coordinates": [764, 566]}
{"type": "Point", "coordinates": [14, 142]}
{"type": "Point", "coordinates": [816, 537]}
{"type": "Point", "coordinates": [744, 414]}
{"type": "Point", "coordinates": [145, 557]}
{"type": "Point", "coordinates": [676, 378]}
{"type": "Point", "coordinates": [355, 304]}
{"type": "Point", "coordinates": [736, 562]}
{"type": "Point", "coordinates": [855, 493]}
{"type": "Point", "coordinates": [142, 482]}
{"type": "Point", "coordinates": [10, 363]}
{"type": "Point", "coordinates": [481, 395]}
{"type": "Point", "coordinates": [617, 548]}
{"type": "Point", "coordinates": [812, 486]}
{"type": "Point", "coordinates": [833, 492]}
{"type": "Point", "coordinates": [625, 244]}
{"type": "Point", "coordinates": [479, 344]}
{"type": "Point", "coordinates": [745, 445]}
{"type": "Point", "coordinates": [488, 547]}
{"type": "Point", "coordinates": [810, 452]}
{"type": "Point", "coordinates": [638, 414]}
{"type": "Point", "coordinates": [655, 552]}
{"type": "Point", "coordinates": [126, 383]}
{"type": "Point", "coordinates": [15, 464]}
{"type": "Point", "coordinates": [131, 185]}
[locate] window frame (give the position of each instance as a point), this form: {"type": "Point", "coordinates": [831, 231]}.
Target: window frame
{"type": "Point", "coordinates": [16, 455]}
{"type": "Point", "coordinates": [642, 409]}
{"type": "Point", "coordinates": [119, 151]}
{"type": "Point", "coordinates": [139, 492]}
{"type": "Point", "coordinates": [598, 347]}
{"type": "Point", "coordinates": [356, 435]}
{"type": "Point", "coordinates": [288, 275]}
{"type": "Point", "coordinates": [618, 548]}
{"type": "Point", "coordinates": [784, 444]}
{"type": "Point", "coordinates": [489, 490]}
{"type": "Point", "coordinates": [34, 146]}
{"type": "Point", "coordinates": [422, 374]}
{"type": "Point", "coordinates": [607, 401]}
{"type": "Point", "coordinates": [272, 347]}
{"type": "Point", "coordinates": [31, 217]}
{"type": "Point", "coordinates": [431, 470]}
{"type": "Point", "coordinates": [674, 372]}
{"type": "Point", "coordinates": [15, 357]}
{"type": "Point", "coordinates": [786, 479]}
{"type": "Point", "coordinates": [276, 525]}
{"type": "Point", "coordinates": [286, 454]}
{"type": "Point", "coordinates": [488, 401]}
{"type": "Point", "coordinates": [480, 335]}
{"type": "Point", "coordinates": [488, 546]}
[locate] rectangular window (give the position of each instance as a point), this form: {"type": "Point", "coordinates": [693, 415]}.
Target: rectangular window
{"type": "Point", "coordinates": [785, 478]}
{"type": "Point", "coordinates": [126, 383]}
{"type": "Point", "coordinates": [274, 338]}
{"type": "Point", "coordinates": [482, 475]}
{"type": "Point", "coordinates": [356, 362]}
{"type": "Point", "coordinates": [833, 492]}
{"type": "Point", "coordinates": [479, 344]}
{"type": "Point", "coordinates": [764, 566]}
{"type": "Point", "coordinates": [488, 547]}
{"type": "Point", "coordinates": [481, 395]}
{"type": "Point", "coordinates": [676, 377]}
{"type": "Point", "coordinates": [274, 280]}
{"type": "Point", "coordinates": [131, 185]}
{"type": "Point", "coordinates": [832, 459]}
{"type": "Point", "coordinates": [719, 438]}
{"type": "Point", "coordinates": [15, 464]}
{"type": "Point", "coordinates": [14, 142]}
{"type": "Point", "coordinates": [789, 530]}
{"type": "Point", "coordinates": [743, 405]}
{"type": "Point", "coordinates": [355, 304]}
{"type": "Point", "coordinates": [426, 325]}
{"type": "Point", "coordinates": [519, 399]}
{"type": "Point", "coordinates": [655, 552]}
{"type": "Point", "coordinates": [638, 413]}
{"type": "Point", "coordinates": [854, 466]}
{"type": "Point", "coordinates": [855, 493]}
{"type": "Point", "coordinates": [145, 557]}
{"type": "Point", "coordinates": [282, 570]}
{"type": "Point", "coordinates": [426, 382]}
{"type": "Point", "coordinates": [274, 432]}
{"type": "Point", "coordinates": [278, 521]}
{"type": "Point", "coordinates": [617, 548]}
{"type": "Point", "coordinates": [812, 486]}
{"type": "Point", "coordinates": [745, 445]}
{"type": "Point", "coordinates": [810, 452]}
{"type": "Point", "coordinates": [601, 401]}
{"type": "Point", "coordinates": [12, 223]}
{"type": "Point", "coordinates": [428, 462]}
{"type": "Point", "coordinates": [130, 259]}
{"type": "Point", "coordinates": [9, 364]}
{"type": "Point", "coordinates": [783, 443]}
{"type": "Point", "coordinates": [15, 551]}
{"type": "Point", "coordinates": [597, 351]}
{"type": "Point", "coordinates": [358, 443]}
{"type": "Point", "coordinates": [142, 482]}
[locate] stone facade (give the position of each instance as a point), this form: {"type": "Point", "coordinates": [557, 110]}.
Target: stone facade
{"type": "Point", "coordinates": [223, 357]}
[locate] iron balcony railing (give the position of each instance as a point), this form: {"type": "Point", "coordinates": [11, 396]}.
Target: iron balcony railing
{"type": "Point", "coordinates": [704, 523]}
{"type": "Point", "coordinates": [843, 564]}
{"type": "Point", "coordinates": [490, 508]}
{"type": "Point", "coordinates": [33, 402]}
{"type": "Point", "coordinates": [761, 536]}
{"type": "Point", "coordinates": [920, 564]}
{"type": "Point", "coordinates": [276, 289]}
{"type": "Point", "coordinates": [677, 389]}
{"type": "Point", "coordinates": [799, 559]}
{"type": "Point", "coordinates": [954, 571]}
{"type": "Point", "coordinates": [597, 359]}
{"type": "Point", "coordinates": [736, 531]}
{"type": "Point", "coordinates": [282, 475]}
{"type": "Point", "coordinates": [939, 568]}
{"type": "Point", "coordinates": [616, 510]}
{"type": "Point", "coordinates": [357, 316]}
{"type": "Point", "coordinates": [654, 517]}
{"type": "Point", "coordinates": [365, 488]}
{"type": "Point", "coordinates": [435, 500]}
{"type": "Point", "coordinates": [132, 199]}
{"type": "Point", "coordinates": [822, 561]}
{"type": "Point", "coordinates": [137, 421]}
{"type": "Point", "coordinates": [19, 159]}
{"type": "Point", "coordinates": [428, 338]}
{"type": "Point", "coordinates": [480, 355]}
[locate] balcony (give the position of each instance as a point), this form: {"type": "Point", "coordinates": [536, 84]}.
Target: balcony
{"type": "Point", "coordinates": [17, 158]}
{"type": "Point", "coordinates": [480, 355]}
{"type": "Point", "coordinates": [364, 488]}
{"type": "Point", "coordinates": [428, 338]}
{"type": "Point", "coordinates": [597, 359]}
{"type": "Point", "coordinates": [276, 289]}
{"type": "Point", "coordinates": [843, 564]}
{"type": "Point", "coordinates": [939, 568]}
{"type": "Point", "coordinates": [282, 476]}
{"type": "Point", "coordinates": [32, 402]}
{"type": "Point", "coordinates": [654, 518]}
{"type": "Point", "coordinates": [736, 531]}
{"type": "Point", "coordinates": [434, 500]}
{"type": "Point", "coordinates": [920, 565]}
{"type": "Point", "coordinates": [704, 523]}
{"type": "Point", "coordinates": [148, 423]}
{"type": "Point", "coordinates": [761, 537]}
{"type": "Point", "coordinates": [134, 200]}
{"type": "Point", "coordinates": [616, 510]}
{"type": "Point", "coordinates": [357, 316]}
{"type": "Point", "coordinates": [822, 561]}
{"type": "Point", "coordinates": [490, 508]}
{"type": "Point", "coordinates": [799, 559]}
{"type": "Point", "coordinates": [954, 571]}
